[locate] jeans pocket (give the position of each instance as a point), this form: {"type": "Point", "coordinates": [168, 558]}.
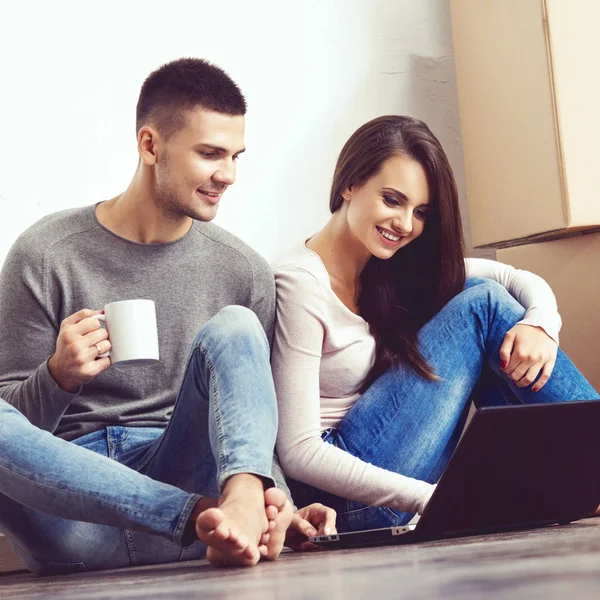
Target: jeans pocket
{"type": "Point", "coordinates": [367, 517]}
{"type": "Point", "coordinates": [41, 566]}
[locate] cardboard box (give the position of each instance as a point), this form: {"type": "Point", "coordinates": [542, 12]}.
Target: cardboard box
{"type": "Point", "coordinates": [529, 97]}
{"type": "Point", "coordinates": [572, 268]}
{"type": "Point", "coordinates": [9, 562]}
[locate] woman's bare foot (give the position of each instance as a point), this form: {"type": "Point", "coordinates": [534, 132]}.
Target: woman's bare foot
{"type": "Point", "coordinates": [233, 530]}
{"type": "Point", "coordinates": [279, 511]}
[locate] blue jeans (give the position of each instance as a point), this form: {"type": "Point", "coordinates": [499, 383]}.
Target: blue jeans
{"type": "Point", "coordinates": [409, 425]}
{"type": "Point", "coordinates": [123, 496]}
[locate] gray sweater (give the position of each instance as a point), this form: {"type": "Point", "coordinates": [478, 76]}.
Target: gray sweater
{"type": "Point", "coordinates": [69, 261]}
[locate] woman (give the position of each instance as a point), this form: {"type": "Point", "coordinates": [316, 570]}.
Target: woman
{"type": "Point", "coordinates": [384, 328]}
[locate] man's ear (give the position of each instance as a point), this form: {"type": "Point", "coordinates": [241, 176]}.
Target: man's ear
{"type": "Point", "coordinates": [148, 140]}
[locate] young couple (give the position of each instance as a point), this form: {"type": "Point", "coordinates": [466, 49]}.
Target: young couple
{"type": "Point", "coordinates": [378, 343]}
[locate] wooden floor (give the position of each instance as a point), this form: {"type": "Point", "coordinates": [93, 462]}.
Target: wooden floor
{"type": "Point", "coordinates": [553, 563]}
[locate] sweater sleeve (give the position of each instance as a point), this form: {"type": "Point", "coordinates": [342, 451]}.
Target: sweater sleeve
{"type": "Point", "coordinates": [531, 291]}
{"type": "Point", "coordinates": [296, 357]}
{"type": "Point", "coordinates": [263, 298]}
{"type": "Point", "coordinates": [28, 332]}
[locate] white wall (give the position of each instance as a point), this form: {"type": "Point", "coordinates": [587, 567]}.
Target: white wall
{"type": "Point", "coordinates": [312, 72]}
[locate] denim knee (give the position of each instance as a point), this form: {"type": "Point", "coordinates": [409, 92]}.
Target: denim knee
{"type": "Point", "coordinates": [472, 282]}
{"type": "Point", "coordinates": [233, 326]}
{"type": "Point", "coordinates": [489, 296]}
{"type": "Point", "coordinates": [485, 288]}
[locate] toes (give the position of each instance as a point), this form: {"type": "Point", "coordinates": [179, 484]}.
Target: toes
{"type": "Point", "coordinates": [226, 545]}
{"type": "Point", "coordinates": [251, 554]}
{"type": "Point", "coordinates": [209, 520]}
{"type": "Point", "coordinates": [275, 497]}
{"type": "Point", "coordinates": [271, 512]}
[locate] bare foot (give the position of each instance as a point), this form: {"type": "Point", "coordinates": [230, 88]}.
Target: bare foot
{"type": "Point", "coordinates": [233, 530]}
{"type": "Point", "coordinates": [279, 512]}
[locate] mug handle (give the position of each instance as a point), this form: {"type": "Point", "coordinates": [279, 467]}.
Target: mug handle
{"type": "Point", "coordinates": [101, 318]}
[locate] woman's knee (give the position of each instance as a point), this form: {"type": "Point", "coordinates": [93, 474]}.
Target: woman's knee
{"type": "Point", "coordinates": [487, 296]}
{"type": "Point", "coordinates": [473, 282]}
{"type": "Point", "coordinates": [488, 289]}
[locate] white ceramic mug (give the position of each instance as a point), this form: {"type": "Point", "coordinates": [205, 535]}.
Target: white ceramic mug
{"type": "Point", "coordinates": [132, 332]}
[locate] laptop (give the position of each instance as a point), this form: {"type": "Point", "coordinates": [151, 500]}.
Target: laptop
{"type": "Point", "coordinates": [515, 467]}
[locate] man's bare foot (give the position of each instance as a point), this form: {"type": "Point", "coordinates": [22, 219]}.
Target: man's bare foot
{"type": "Point", "coordinates": [233, 530]}
{"type": "Point", "coordinates": [279, 511]}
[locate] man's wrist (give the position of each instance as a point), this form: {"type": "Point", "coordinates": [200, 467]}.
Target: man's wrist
{"type": "Point", "coordinates": [61, 383]}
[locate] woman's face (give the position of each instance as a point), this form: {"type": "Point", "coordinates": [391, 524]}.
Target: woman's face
{"type": "Point", "coordinates": [390, 210]}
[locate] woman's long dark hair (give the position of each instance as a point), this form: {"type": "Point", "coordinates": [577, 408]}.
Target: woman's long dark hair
{"type": "Point", "coordinates": [399, 295]}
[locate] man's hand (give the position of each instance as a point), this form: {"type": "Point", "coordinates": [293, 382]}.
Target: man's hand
{"type": "Point", "coordinates": [314, 519]}
{"type": "Point", "coordinates": [81, 340]}
{"type": "Point", "coordinates": [525, 352]}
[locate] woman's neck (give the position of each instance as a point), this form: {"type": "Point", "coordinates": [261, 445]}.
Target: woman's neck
{"type": "Point", "coordinates": [344, 257]}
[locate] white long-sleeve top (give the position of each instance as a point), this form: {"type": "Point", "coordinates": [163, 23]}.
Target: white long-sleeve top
{"type": "Point", "coordinates": [322, 352]}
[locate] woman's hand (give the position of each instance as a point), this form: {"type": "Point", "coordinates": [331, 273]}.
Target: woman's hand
{"type": "Point", "coordinates": [526, 351]}
{"type": "Point", "coordinates": [314, 519]}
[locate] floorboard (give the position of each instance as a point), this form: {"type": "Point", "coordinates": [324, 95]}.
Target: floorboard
{"type": "Point", "coordinates": [547, 564]}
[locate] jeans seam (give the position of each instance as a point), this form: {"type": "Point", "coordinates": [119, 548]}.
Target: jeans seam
{"type": "Point", "coordinates": [184, 517]}
{"type": "Point", "coordinates": [129, 540]}
{"type": "Point", "coordinates": [217, 409]}
{"type": "Point", "coordinates": [109, 442]}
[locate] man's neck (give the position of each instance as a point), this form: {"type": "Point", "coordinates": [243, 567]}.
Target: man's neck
{"type": "Point", "coordinates": [135, 215]}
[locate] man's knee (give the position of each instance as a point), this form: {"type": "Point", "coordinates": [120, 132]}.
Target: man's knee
{"type": "Point", "coordinates": [234, 326]}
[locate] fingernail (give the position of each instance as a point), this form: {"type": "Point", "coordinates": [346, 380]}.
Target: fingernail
{"type": "Point", "coordinates": [535, 389]}
{"type": "Point", "coordinates": [504, 364]}
{"type": "Point", "coordinates": [312, 532]}
{"type": "Point", "coordinates": [327, 530]}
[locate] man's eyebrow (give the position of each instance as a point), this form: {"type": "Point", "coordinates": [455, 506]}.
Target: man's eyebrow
{"type": "Point", "coordinates": [220, 149]}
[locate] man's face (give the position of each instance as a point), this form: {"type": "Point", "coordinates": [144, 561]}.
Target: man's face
{"type": "Point", "coordinates": [197, 164]}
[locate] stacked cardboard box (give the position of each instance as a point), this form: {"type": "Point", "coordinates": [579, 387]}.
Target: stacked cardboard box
{"type": "Point", "coordinates": [529, 98]}
{"type": "Point", "coordinates": [572, 267]}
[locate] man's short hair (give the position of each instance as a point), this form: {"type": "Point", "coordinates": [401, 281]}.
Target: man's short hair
{"type": "Point", "coordinates": [182, 85]}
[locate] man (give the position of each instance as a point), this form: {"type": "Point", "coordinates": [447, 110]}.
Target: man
{"type": "Point", "coordinates": [191, 438]}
